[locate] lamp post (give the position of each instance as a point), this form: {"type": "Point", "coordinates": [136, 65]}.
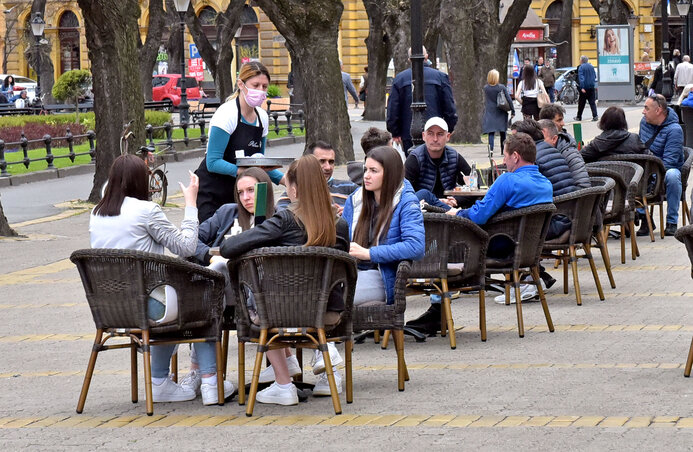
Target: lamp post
{"type": "Point", "coordinates": [684, 8]}
{"type": "Point", "coordinates": [37, 27]}
{"type": "Point", "coordinates": [666, 77]}
{"type": "Point", "coordinates": [183, 107]}
{"type": "Point", "coordinates": [418, 103]}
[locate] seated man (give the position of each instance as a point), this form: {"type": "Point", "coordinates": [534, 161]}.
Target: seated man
{"type": "Point", "coordinates": [566, 144]}
{"type": "Point", "coordinates": [339, 189]}
{"type": "Point", "coordinates": [434, 167]}
{"type": "Point", "coordinates": [662, 134]}
{"type": "Point", "coordinates": [523, 185]}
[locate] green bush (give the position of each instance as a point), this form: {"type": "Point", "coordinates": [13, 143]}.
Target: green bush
{"type": "Point", "coordinates": [274, 91]}
{"type": "Point", "coordinates": [85, 119]}
{"type": "Point", "coordinates": [72, 85]}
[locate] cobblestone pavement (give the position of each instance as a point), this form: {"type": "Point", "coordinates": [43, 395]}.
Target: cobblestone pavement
{"type": "Point", "coordinates": [609, 377]}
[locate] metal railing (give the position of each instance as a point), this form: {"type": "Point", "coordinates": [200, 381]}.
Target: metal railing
{"type": "Point", "coordinates": [288, 115]}
{"type": "Point", "coordinates": [47, 140]}
{"type": "Point", "coordinates": [168, 142]}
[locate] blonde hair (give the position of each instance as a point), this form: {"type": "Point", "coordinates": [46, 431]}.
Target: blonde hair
{"type": "Point", "coordinates": [248, 71]}
{"type": "Point", "coordinates": [492, 77]}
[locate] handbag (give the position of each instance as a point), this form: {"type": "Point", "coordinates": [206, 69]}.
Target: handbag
{"type": "Point", "coordinates": [543, 98]}
{"type": "Point", "coordinates": [502, 102]}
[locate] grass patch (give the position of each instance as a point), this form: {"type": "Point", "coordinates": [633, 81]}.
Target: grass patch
{"type": "Point", "coordinates": [18, 156]}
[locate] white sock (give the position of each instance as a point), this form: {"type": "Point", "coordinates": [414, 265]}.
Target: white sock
{"type": "Point", "coordinates": [158, 381]}
{"type": "Point", "coordinates": [286, 386]}
{"type": "Point", "coordinates": [212, 381]}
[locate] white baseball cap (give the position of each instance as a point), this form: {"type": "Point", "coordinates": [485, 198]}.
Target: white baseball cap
{"type": "Point", "coordinates": [436, 121]}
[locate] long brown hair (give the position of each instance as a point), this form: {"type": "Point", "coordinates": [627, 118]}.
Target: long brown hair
{"type": "Point", "coordinates": [248, 71]}
{"type": "Point", "coordinates": [314, 207]}
{"type": "Point", "coordinates": [128, 176]}
{"type": "Point", "coordinates": [529, 77]}
{"type": "Point", "coordinates": [260, 176]}
{"type": "Point", "coordinates": [393, 174]}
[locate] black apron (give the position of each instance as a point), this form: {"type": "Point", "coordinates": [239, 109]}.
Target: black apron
{"type": "Point", "coordinates": [218, 189]}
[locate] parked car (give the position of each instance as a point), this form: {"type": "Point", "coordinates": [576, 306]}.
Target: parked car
{"type": "Point", "coordinates": [167, 87]}
{"type": "Point", "coordinates": [22, 83]}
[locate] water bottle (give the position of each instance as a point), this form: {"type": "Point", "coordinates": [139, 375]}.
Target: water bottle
{"type": "Point", "coordinates": [473, 182]}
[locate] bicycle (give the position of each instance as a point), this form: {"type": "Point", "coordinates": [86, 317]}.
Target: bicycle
{"type": "Point", "coordinates": [156, 169]}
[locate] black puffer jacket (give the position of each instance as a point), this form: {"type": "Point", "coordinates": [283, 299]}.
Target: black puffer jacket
{"type": "Point", "coordinates": [612, 142]}
{"type": "Point", "coordinates": [555, 168]}
{"type": "Point", "coordinates": [568, 148]}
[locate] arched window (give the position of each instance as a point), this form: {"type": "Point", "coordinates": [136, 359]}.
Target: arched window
{"type": "Point", "coordinates": [68, 33]}
{"type": "Point", "coordinates": [247, 44]}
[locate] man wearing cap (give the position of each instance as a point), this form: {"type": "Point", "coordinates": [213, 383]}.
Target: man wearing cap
{"type": "Point", "coordinates": [433, 167]}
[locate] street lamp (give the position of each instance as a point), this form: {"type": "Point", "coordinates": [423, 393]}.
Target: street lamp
{"type": "Point", "coordinates": [37, 27]}
{"type": "Point", "coordinates": [684, 7]}
{"type": "Point", "coordinates": [418, 103]}
{"type": "Point", "coordinates": [183, 107]}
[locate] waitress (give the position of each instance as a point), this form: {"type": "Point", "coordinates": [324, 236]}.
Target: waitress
{"type": "Point", "coordinates": [238, 126]}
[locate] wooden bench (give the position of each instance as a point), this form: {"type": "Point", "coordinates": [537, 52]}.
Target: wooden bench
{"type": "Point", "coordinates": [12, 111]}
{"type": "Point", "coordinates": [206, 107]}
{"type": "Point", "coordinates": [158, 105]}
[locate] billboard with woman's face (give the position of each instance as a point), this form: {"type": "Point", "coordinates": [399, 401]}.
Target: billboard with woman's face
{"type": "Point", "coordinates": [613, 44]}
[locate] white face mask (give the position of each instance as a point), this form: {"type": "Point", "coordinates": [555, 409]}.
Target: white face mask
{"type": "Point", "coordinates": [254, 97]}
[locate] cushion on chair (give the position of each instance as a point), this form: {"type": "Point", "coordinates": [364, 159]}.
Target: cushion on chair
{"type": "Point", "coordinates": [368, 304]}
{"type": "Point", "coordinates": [455, 269]}
{"type": "Point", "coordinates": [561, 239]}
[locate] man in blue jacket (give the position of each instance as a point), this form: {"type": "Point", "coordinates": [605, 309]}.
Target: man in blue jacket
{"type": "Point", "coordinates": [587, 79]}
{"type": "Point", "coordinates": [438, 97]}
{"type": "Point", "coordinates": [662, 134]}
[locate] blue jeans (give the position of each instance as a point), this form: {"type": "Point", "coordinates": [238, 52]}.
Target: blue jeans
{"type": "Point", "coordinates": [672, 182]}
{"type": "Point", "coordinates": [431, 199]}
{"type": "Point", "coordinates": [491, 136]}
{"type": "Point", "coordinates": [161, 354]}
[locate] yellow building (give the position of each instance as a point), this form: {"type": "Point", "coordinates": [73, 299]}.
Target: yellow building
{"type": "Point", "coordinates": [257, 37]}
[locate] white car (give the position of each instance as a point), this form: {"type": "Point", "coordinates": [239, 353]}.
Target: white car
{"type": "Point", "coordinates": [22, 83]}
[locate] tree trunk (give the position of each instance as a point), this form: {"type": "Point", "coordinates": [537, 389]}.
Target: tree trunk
{"type": "Point", "coordinates": [311, 28]}
{"type": "Point", "coordinates": [477, 43]}
{"type": "Point", "coordinates": [174, 39]}
{"type": "Point", "coordinates": [379, 49]}
{"type": "Point", "coordinates": [611, 12]}
{"type": "Point", "coordinates": [44, 55]}
{"type": "Point", "coordinates": [218, 60]}
{"type": "Point", "coordinates": [149, 49]}
{"type": "Point", "coordinates": [431, 28]}
{"type": "Point", "coordinates": [397, 27]}
{"type": "Point", "coordinates": [5, 229]}
{"type": "Point", "coordinates": [563, 33]}
{"type": "Point", "coordinates": [112, 37]}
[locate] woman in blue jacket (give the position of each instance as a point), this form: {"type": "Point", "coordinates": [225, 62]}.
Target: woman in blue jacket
{"type": "Point", "coordinates": [385, 225]}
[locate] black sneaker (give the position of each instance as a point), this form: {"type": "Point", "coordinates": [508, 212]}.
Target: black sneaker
{"type": "Point", "coordinates": [645, 229]}
{"type": "Point", "coordinates": [595, 119]}
{"type": "Point", "coordinates": [429, 321]}
{"type": "Point", "coordinates": [577, 118]}
{"type": "Point", "coordinates": [670, 230]}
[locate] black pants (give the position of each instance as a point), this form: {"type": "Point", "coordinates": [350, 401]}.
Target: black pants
{"type": "Point", "coordinates": [590, 96]}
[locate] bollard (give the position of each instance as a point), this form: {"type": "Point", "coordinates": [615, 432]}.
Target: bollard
{"type": "Point", "coordinates": [92, 151]}
{"type": "Point", "coordinates": [70, 145]}
{"type": "Point", "coordinates": [24, 143]}
{"type": "Point", "coordinates": [3, 163]}
{"type": "Point", "coordinates": [169, 138]}
{"type": "Point", "coordinates": [289, 129]}
{"type": "Point", "coordinates": [149, 130]}
{"type": "Point", "coordinates": [203, 134]}
{"type": "Point", "coordinates": [49, 155]}
{"type": "Point", "coordinates": [186, 140]}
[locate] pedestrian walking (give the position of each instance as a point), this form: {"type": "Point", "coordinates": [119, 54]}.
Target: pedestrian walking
{"type": "Point", "coordinates": [496, 116]}
{"type": "Point", "coordinates": [587, 81]}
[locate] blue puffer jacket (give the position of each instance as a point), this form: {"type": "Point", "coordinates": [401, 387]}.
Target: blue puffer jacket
{"type": "Point", "coordinates": [405, 238]}
{"type": "Point", "coordinates": [555, 168]}
{"type": "Point", "coordinates": [668, 144]}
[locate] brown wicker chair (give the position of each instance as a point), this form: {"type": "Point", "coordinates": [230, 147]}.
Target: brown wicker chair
{"type": "Point", "coordinates": [685, 172]}
{"type": "Point", "coordinates": [685, 236]}
{"type": "Point", "coordinates": [621, 211]}
{"type": "Point", "coordinates": [379, 316]}
{"type": "Point", "coordinates": [291, 286]}
{"type": "Point", "coordinates": [580, 207]}
{"type": "Point", "coordinates": [647, 197]}
{"type": "Point", "coordinates": [117, 285]}
{"type": "Point", "coordinates": [452, 240]}
{"type": "Point", "coordinates": [526, 228]}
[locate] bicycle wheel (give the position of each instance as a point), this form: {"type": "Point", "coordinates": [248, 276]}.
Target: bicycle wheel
{"type": "Point", "coordinates": [158, 187]}
{"type": "Point", "coordinates": [569, 95]}
{"type": "Point", "coordinates": [639, 93]}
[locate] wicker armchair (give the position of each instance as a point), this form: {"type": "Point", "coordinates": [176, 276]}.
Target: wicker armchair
{"type": "Point", "coordinates": [685, 236]}
{"type": "Point", "coordinates": [453, 240]}
{"type": "Point", "coordinates": [117, 284]}
{"type": "Point", "coordinates": [526, 228]}
{"type": "Point", "coordinates": [291, 287]}
{"type": "Point", "coordinates": [647, 196]}
{"type": "Point", "coordinates": [380, 316]}
{"type": "Point", "coordinates": [621, 210]}
{"type": "Point", "coordinates": [685, 173]}
{"type": "Point", "coordinates": [580, 207]}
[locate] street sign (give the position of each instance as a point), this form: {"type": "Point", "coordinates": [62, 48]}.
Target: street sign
{"type": "Point", "coordinates": [196, 68]}
{"type": "Point", "coordinates": [193, 52]}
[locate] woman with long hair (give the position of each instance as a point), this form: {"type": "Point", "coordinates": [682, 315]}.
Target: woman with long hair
{"type": "Point", "coordinates": [611, 44]}
{"type": "Point", "coordinates": [125, 219]}
{"type": "Point", "coordinates": [385, 224]}
{"type": "Point", "coordinates": [527, 91]}
{"type": "Point", "coordinates": [8, 87]}
{"type": "Point", "coordinates": [310, 220]}
{"type": "Point", "coordinates": [495, 119]}
{"type": "Point", "coordinates": [238, 125]}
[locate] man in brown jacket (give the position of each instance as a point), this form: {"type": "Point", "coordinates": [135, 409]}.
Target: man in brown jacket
{"type": "Point", "coordinates": [548, 76]}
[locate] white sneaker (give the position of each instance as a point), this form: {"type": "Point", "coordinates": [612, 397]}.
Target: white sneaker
{"type": "Point", "coordinates": [168, 391]}
{"type": "Point", "coordinates": [210, 395]}
{"type": "Point", "coordinates": [275, 394]}
{"type": "Point", "coordinates": [192, 380]}
{"type": "Point", "coordinates": [318, 363]}
{"type": "Point", "coordinates": [322, 386]}
{"type": "Point", "coordinates": [267, 375]}
{"type": "Point", "coordinates": [527, 292]}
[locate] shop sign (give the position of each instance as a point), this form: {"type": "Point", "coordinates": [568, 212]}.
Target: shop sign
{"type": "Point", "coordinates": [530, 35]}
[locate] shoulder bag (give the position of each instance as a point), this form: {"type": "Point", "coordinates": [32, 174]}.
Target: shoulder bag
{"type": "Point", "coordinates": [502, 101]}
{"type": "Point", "coordinates": [543, 98]}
